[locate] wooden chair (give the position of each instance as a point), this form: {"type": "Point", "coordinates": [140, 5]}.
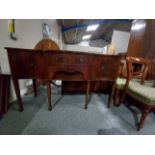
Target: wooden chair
{"type": "Point", "coordinates": [140, 94]}
{"type": "Point", "coordinates": [45, 45]}
{"type": "Point", "coordinates": [118, 86]}
{"type": "Point", "coordinates": [116, 97]}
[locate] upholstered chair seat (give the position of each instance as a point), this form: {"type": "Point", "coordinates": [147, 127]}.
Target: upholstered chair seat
{"type": "Point", "coordinates": [143, 93]}
{"type": "Point", "coordinates": [120, 82]}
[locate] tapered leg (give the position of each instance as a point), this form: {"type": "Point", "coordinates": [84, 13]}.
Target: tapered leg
{"type": "Point", "coordinates": [19, 101]}
{"type": "Point", "coordinates": [34, 87]}
{"type": "Point", "coordinates": [100, 88]}
{"type": "Point", "coordinates": [110, 100]}
{"type": "Point", "coordinates": [87, 94]}
{"type": "Point", "coordinates": [49, 93]}
{"type": "Point", "coordinates": [142, 119]}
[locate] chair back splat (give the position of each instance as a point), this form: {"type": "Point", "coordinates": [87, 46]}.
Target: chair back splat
{"type": "Point", "coordinates": [151, 71]}
{"type": "Point", "coordinates": [137, 68]}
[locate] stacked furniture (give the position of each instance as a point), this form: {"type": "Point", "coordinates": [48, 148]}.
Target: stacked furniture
{"type": "Point", "coordinates": [4, 93]}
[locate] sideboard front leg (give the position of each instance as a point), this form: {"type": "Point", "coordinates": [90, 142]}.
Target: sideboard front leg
{"type": "Point", "coordinates": [87, 95]}
{"type": "Point", "coordinates": [49, 93]}
{"type": "Point", "coordinates": [17, 90]}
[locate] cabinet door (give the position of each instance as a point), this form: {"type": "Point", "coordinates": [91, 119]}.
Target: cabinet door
{"type": "Point", "coordinates": [105, 67]}
{"type": "Point", "coordinates": [22, 64]}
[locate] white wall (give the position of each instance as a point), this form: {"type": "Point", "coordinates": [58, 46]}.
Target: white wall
{"type": "Point", "coordinates": [55, 30]}
{"type": "Point", "coordinates": [29, 32]}
{"type": "Point", "coordinates": [83, 48]}
{"type": "Point", "coordinates": [121, 40]}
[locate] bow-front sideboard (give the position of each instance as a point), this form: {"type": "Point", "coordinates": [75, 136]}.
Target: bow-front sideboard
{"type": "Point", "coordinates": [62, 65]}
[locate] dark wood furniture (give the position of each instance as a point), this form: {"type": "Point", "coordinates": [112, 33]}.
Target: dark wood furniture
{"type": "Point", "coordinates": [63, 65]}
{"type": "Point", "coordinates": [142, 37]}
{"type": "Point", "coordinates": [46, 44]}
{"type": "Point", "coordinates": [72, 87]}
{"type": "Point", "coordinates": [4, 93]}
{"type": "Point", "coordinates": [78, 87]}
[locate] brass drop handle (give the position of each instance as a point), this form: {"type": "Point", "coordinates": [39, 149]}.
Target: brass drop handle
{"type": "Point", "coordinates": [81, 60]}
{"type": "Point", "coordinates": [102, 67]}
{"type": "Point", "coordinates": [31, 65]}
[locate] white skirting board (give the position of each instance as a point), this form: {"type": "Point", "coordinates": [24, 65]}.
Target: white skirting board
{"type": "Point", "coordinates": [14, 98]}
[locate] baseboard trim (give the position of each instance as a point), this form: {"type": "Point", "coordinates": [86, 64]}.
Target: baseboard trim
{"type": "Point", "coordinates": [22, 93]}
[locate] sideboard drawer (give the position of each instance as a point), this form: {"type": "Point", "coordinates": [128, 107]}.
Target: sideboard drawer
{"type": "Point", "coordinates": [65, 59]}
{"type": "Point", "coordinates": [54, 59]}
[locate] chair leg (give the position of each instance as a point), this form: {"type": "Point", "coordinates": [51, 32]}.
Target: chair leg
{"type": "Point", "coordinates": [48, 84]}
{"type": "Point", "coordinates": [110, 100]}
{"type": "Point", "coordinates": [122, 98]}
{"type": "Point", "coordinates": [116, 98]}
{"type": "Point", "coordinates": [87, 95]}
{"type": "Point", "coordinates": [142, 119]}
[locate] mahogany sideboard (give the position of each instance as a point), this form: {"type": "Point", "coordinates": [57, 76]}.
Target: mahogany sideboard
{"type": "Point", "coordinates": [62, 65]}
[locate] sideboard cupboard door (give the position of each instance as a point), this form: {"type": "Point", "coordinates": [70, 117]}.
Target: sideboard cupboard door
{"type": "Point", "coordinates": [26, 70]}
{"type": "Point", "coordinates": [105, 68]}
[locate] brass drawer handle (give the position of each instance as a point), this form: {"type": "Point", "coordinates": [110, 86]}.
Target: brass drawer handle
{"type": "Point", "coordinates": [81, 60]}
